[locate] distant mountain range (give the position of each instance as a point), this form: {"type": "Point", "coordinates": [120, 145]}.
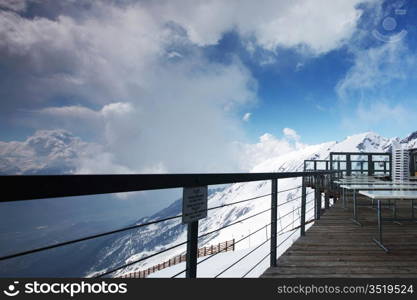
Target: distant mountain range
{"type": "Point", "coordinates": [46, 152]}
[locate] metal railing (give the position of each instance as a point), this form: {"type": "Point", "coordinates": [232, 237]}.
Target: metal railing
{"type": "Point", "coordinates": [370, 163]}
{"type": "Point", "coordinates": [54, 186]}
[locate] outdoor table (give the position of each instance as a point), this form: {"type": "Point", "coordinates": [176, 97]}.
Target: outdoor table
{"type": "Point", "coordinates": [378, 187]}
{"type": "Point", "coordinates": [389, 195]}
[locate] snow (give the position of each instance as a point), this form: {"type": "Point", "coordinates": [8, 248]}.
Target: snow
{"type": "Point", "coordinates": [237, 216]}
{"type": "Point", "coordinates": [237, 263]}
{"type": "Point", "coordinates": [58, 148]}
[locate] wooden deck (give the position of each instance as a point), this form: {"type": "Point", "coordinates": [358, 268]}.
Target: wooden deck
{"type": "Point", "coordinates": [336, 247]}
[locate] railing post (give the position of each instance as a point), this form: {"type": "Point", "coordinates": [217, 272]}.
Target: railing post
{"type": "Point", "coordinates": [303, 209]}
{"type": "Point", "coordinates": [322, 187]}
{"type": "Point", "coordinates": [274, 214]}
{"type": "Point", "coordinates": [317, 199]}
{"type": "Point", "coordinates": [192, 248]}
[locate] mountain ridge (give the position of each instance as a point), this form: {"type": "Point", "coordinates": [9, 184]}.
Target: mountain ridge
{"type": "Point", "coordinates": [290, 162]}
{"type": "Point", "coordinates": [62, 147]}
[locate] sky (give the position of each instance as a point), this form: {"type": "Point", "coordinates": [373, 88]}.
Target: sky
{"type": "Point", "coordinates": [188, 86]}
{"type": "Point", "coordinates": [120, 86]}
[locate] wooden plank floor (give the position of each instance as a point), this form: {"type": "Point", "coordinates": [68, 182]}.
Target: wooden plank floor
{"type": "Point", "coordinates": [336, 247]}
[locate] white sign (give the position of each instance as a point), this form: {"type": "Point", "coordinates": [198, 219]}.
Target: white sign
{"type": "Point", "coordinates": [194, 204]}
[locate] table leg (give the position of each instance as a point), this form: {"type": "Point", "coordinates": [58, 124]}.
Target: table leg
{"type": "Point", "coordinates": [355, 216]}
{"type": "Point", "coordinates": [378, 241]}
{"type": "Point", "coordinates": [395, 213]}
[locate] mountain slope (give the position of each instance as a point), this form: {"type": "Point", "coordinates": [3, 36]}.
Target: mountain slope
{"type": "Point", "coordinates": [58, 152]}
{"type": "Point", "coordinates": [140, 243]}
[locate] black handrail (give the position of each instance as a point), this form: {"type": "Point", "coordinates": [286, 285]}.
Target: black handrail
{"type": "Point", "coordinates": [52, 186]}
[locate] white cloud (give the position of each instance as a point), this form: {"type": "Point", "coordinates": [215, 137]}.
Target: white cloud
{"type": "Point", "coordinates": [374, 86]}
{"type": "Point", "coordinates": [299, 66]}
{"type": "Point", "coordinates": [148, 111]}
{"type": "Point", "coordinates": [326, 25]}
{"type": "Point", "coordinates": [269, 146]}
{"type": "Point", "coordinates": [291, 133]}
{"type": "Point", "coordinates": [376, 67]}
{"type": "Point", "coordinates": [317, 25]}
{"type": "Point", "coordinates": [133, 76]}
{"type": "Point", "coordinates": [116, 108]}
{"type": "Point", "coordinates": [293, 136]}
{"type": "Point", "coordinates": [246, 116]}
{"type": "Point", "coordinates": [379, 114]}
{"type": "Point", "coordinates": [78, 111]}
{"type": "Point", "coordinates": [14, 5]}
{"type": "Point", "coordinates": [101, 162]}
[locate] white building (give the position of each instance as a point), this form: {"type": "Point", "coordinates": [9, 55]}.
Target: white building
{"type": "Point", "coordinates": [400, 163]}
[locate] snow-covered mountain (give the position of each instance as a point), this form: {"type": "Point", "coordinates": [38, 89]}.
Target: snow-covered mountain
{"type": "Point", "coordinates": [59, 152]}
{"type": "Point", "coordinates": [56, 152]}
{"type": "Point", "coordinates": [46, 152]}
{"type": "Point", "coordinates": [136, 244]}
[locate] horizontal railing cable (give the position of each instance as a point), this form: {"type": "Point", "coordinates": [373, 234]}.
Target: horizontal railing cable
{"type": "Point", "coordinates": [237, 202]}
{"type": "Point", "coordinates": [260, 261]}
{"type": "Point", "coordinates": [291, 211]}
{"type": "Point", "coordinates": [286, 202]}
{"type": "Point", "coordinates": [254, 198]}
{"type": "Point", "coordinates": [211, 232]}
{"type": "Point", "coordinates": [283, 241]}
{"type": "Point", "coordinates": [292, 223]}
{"type": "Point", "coordinates": [256, 231]}
{"type": "Point", "coordinates": [297, 227]}
{"type": "Point", "coordinates": [236, 242]}
{"type": "Point", "coordinates": [288, 213]}
{"type": "Point", "coordinates": [293, 199]}
{"type": "Point", "coordinates": [244, 256]}
{"type": "Point", "coordinates": [85, 238]}
{"type": "Point", "coordinates": [120, 230]}
{"type": "Point", "coordinates": [294, 188]}
{"type": "Point", "coordinates": [139, 260]}
{"type": "Point", "coordinates": [231, 224]}
{"type": "Point", "coordinates": [309, 210]}
{"type": "Point", "coordinates": [281, 232]}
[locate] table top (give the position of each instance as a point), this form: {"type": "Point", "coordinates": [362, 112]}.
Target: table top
{"type": "Point", "coordinates": [375, 183]}
{"type": "Point", "coordinates": [356, 176]}
{"type": "Point", "coordinates": [379, 187]}
{"type": "Point", "coordinates": [359, 178]}
{"type": "Point", "coordinates": [393, 195]}
{"type": "Point", "coordinates": [360, 181]}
